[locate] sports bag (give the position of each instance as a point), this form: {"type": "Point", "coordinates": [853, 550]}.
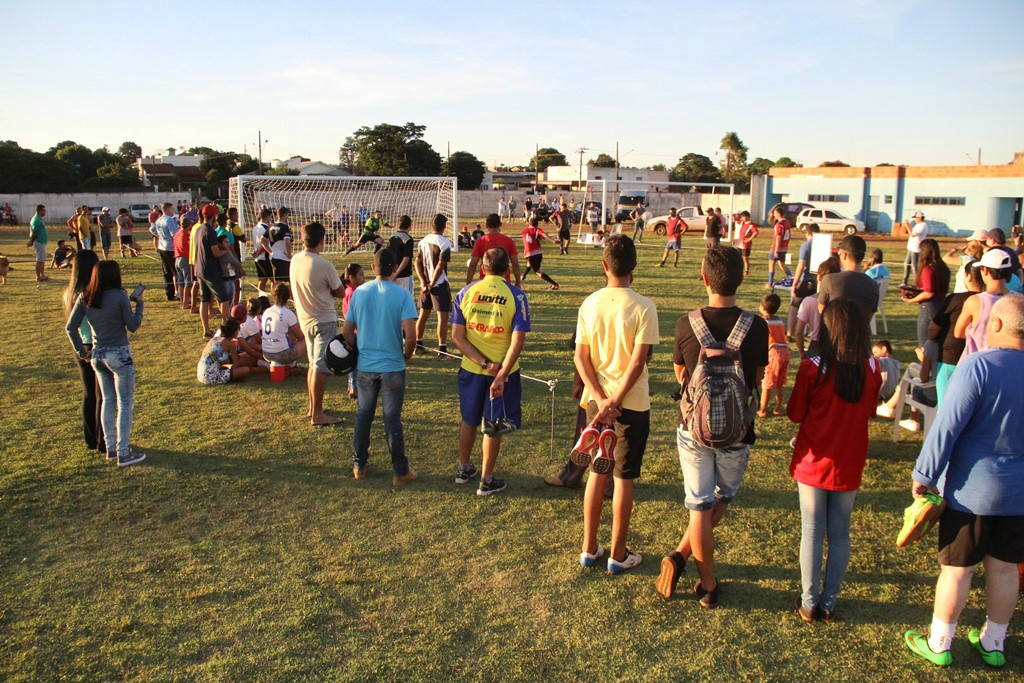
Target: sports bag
{"type": "Point", "coordinates": [717, 409]}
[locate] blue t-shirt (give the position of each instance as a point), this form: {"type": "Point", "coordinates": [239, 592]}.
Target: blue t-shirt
{"type": "Point", "coordinates": [377, 310]}
{"type": "Point", "coordinates": [805, 256]}
{"type": "Point", "coordinates": [974, 453]}
{"type": "Point", "coordinates": [879, 272]}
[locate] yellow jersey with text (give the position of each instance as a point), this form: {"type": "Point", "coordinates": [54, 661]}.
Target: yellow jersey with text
{"type": "Point", "coordinates": [491, 309]}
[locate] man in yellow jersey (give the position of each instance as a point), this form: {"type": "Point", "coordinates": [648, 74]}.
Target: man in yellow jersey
{"type": "Point", "coordinates": [490, 320]}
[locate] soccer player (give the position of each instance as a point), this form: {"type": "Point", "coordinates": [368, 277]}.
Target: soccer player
{"type": "Point", "coordinates": [748, 231]}
{"type": "Point", "coordinates": [433, 254]}
{"type": "Point", "coordinates": [615, 329]}
{"type": "Point", "coordinates": [489, 325]}
{"type": "Point", "coordinates": [563, 220]}
{"type": "Point", "coordinates": [780, 245]}
{"type": "Point", "coordinates": [674, 231]}
{"type": "Point", "coordinates": [261, 249]}
{"type": "Point", "coordinates": [401, 243]}
{"type": "Point", "coordinates": [492, 239]}
{"type": "Point", "coordinates": [712, 229]}
{"type": "Point", "coordinates": [371, 227]}
{"type": "Point", "coordinates": [532, 236]}
{"type": "Point", "coordinates": [281, 246]}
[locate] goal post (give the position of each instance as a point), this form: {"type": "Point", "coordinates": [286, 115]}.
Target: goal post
{"type": "Point", "coordinates": [626, 185]}
{"type": "Point", "coordinates": [342, 203]}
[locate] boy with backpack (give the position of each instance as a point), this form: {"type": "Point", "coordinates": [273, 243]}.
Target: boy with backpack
{"type": "Point", "coordinates": [719, 355]}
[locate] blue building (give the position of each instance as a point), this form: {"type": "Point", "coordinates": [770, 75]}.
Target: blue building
{"type": "Point", "coordinates": [954, 199]}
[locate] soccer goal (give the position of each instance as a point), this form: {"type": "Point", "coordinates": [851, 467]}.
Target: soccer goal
{"type": "Point", "coordinates": [679, 186]}
{"type": "Point", "coordinates": [343, 203]}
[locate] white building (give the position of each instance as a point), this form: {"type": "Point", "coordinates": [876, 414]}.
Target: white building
{"type": "Point", "coordinates": [306, 167]}
{"type": "Point", "coordinates": [568, 177]}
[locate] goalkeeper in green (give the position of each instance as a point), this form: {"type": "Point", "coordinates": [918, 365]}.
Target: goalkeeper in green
{"type": "Point", "coordinates": [373, 225]}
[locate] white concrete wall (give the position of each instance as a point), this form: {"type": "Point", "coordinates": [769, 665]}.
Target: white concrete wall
{"type": "Point", "coordinates": [60, 207]}
{"type": "Point", "coordinates": [479, 203]}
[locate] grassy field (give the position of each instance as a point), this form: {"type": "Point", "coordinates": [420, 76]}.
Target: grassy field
{"type": "Point", "coordinates": [242, 549]}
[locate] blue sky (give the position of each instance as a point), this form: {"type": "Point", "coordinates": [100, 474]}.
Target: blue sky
{"type": "Point", "coordinates": [865, 81]}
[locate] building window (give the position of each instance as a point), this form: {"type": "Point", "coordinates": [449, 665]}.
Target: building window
{"type": "Point", "coordinates": [940, 201]}
{"type": "Point", "coordinates": [888, 199]}
{"type": "Point", "coordinates": [639, 177]}
{"type": "Point", "coordinates": [828, 198]}
{"type": "Point", "coordinates": [597, 177]}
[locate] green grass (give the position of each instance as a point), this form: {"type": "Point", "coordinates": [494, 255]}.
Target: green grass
{"type": "Point", "coordinates": [242, 549]}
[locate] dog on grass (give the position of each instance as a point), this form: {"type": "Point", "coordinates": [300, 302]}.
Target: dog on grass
{"type": "Point", "coordinates": [5, 265]}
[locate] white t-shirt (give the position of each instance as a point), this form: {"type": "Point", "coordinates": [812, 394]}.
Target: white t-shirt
{"type": "Point", "coordinates": [250, 328]}
{"type": "Point", "coordinates": [434, 248]}
{"type": "Point", "coordinates": [259, 232]}
{"type": "Point", "coordinates": [277, 320]}
{"type": "Point", "coordinates": [918, 232]}
{"type": "Point", "coordinates": [808, 313]}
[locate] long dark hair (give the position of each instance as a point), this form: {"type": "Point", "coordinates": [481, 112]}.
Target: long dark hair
{"type": "Point", "coordinates": [931, 255]}
{"type": "Point", "coordinates": [106, 275]}
{"type": "Point", "coordinates": [844, 348]}
{"type": "Point", "coordinates": [81, 273]}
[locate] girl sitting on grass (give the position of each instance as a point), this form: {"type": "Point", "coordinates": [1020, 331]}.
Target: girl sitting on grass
{"type": "Point", "coordinates": [778, 355]}
{"type": "Point", "coordinates": [219, 363]}
{"type": "Point", "coordinates": [833, 398]}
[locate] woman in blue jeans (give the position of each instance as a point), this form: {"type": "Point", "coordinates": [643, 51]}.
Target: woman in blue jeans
{"type": "Point", "coordinates": [106, 308]}
{"type": "Point", "coordinates": [833, 398]}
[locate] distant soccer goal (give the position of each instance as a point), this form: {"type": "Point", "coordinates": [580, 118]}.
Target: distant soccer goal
{"type": "Point", "coordinates": [343, 203]}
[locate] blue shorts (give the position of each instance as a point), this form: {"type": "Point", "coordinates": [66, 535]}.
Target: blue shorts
{"type": "Point", "coordinates": [673, 245]}
{"type": "Point", "coordinates": [475, 399]}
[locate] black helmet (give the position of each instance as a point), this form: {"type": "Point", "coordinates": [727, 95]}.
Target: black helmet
{"type": "Point", "coordinates": [340, 357]}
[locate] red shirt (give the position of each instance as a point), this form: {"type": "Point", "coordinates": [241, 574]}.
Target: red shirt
{"type": "Point", "coordinates": [748, 231]}
{"type": "Point", "coordinates": [675, 227]}
{"type": "Point", "coordinates": [531, 241]}
{"type": "Point", "coordinates": [181, 243]}
{"type": "Point", "coordinates": [154, 216]}
{"type": "Point", "coordinates": [490, 241]}
{"type": "Point", "coordinates": [781, 241]}
{"type": "Point", "coordinates": [928, 281]}
{"type": "Point", "coordinates": [832, 444]}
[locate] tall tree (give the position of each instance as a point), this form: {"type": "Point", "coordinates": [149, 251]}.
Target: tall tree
{"type": "Point", "coordinates": [129, 152]}
{"type": "Point", "coordinates": [696, 168]}
{"type": "Point", "coordinates": [389, 150]}
{"type": "Point", "coordinates": [82, 158]}
{"type": "Point", "coordinates": [734, 166]}
{"type": "Point", "coordinates": [786, 162]}
{"type": "Point", "coordinates": [467, 168]}
{"type": "Point", "coordinates": [602, 161]}
{"type": "Point", "coordinates": [22, 170]}
{"type": "Point", "coordinates": [547, 156]}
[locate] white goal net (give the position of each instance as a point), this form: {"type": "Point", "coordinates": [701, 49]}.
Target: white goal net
{"type": "Point", "coordinates": [343, 203]}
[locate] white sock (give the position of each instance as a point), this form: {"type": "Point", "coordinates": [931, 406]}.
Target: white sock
{"type": "Point", "coordinates": [940, 637]}
{"type": "Point", "coordinates": [993, 635]}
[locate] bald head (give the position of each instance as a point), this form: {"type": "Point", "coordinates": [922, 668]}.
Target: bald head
{"type": "Point", "coordinates": [1006, 323]}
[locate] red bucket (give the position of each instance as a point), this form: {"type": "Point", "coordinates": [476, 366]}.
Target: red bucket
{"type": "Point", "coordinates": [278, 373]}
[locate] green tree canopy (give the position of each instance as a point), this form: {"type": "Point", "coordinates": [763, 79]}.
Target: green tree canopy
{"type": "Point", "coordinates": [547, 156]}
{"type": "Point", "coordinates": [129, 152]}
{"type": "Point", "coordinates": [734, 166]}
{"type": "Point", "coordinates": [659, 167]}
{"type": "Point", "coordinates": [832, 164]}
{"type": "Point", "coordinates": [81, 158]}
{"type": "Point", "coordinates": [390, 150]}
{"type": "Point", "coordinates": [602, 161]}
{"type": "Point", "coordinates": [760, 166]}
{"type": "Point", "coordinates": [694, 167]}
{"type": "Point", "coordinates": [467, 168]}
{"type": "Point", "coordinates": [786, 162]}
{"type": "Point", "coordinates": [22, 170]}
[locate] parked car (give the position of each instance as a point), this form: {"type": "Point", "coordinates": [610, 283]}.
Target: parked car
{"type": "Point", "coordinates": [627, 202]}
{"type": "Point", "coordinates": [578, 210]}
{"type": "Point", "coordinates": [140, 212]}
{"type": "Point", "coordinates": [790, 210]}
{"type": "Point", "coordinates": [96, 211]}
{"type": "Point", "coordinates": [693, 216]}
{"type": "Point", "coordinates": [829, 220]}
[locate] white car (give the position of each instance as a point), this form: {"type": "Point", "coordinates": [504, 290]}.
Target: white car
{"type": "Point", "coordinates": [140, 212]}
{"type": "Point", "coordinates": [829, 221]}
{"type": "Point", "coordinates": [693, 216]}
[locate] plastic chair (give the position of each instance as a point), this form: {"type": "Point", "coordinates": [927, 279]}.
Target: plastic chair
{"type": "Point", "coordinates": [883, 288]}
{"type": "Point", "coordinates": [906, 394]}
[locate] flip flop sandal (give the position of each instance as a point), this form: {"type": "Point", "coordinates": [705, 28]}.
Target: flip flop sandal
{"type": "Point", "coordinates": [583, 451]}
{"type": "Point", "coordinates": [919, 518]}
{"type": "Point", "coordinates": [605, 460]}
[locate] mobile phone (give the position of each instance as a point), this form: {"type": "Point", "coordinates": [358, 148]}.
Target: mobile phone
{"type": "Point", "coordinates": [137, 292]}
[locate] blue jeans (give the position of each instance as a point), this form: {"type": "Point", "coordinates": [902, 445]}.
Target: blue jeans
{"type": "Point", "coordinates": [116, 371]}
{"type": "Point", "coordinates": [823, 513]}
{"type": "Point", "coordinates": [910, 265]}
{"type": "Point", "coordinates": [925, 312]}
{"type": "Point", "coordinates": [391, 388]}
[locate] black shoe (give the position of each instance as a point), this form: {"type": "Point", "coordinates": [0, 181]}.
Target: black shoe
{"type": "Point", "coordinates": [707, 599]}
{"type": "Point", "coordinates": [464, 474]}
{"type": "Point", "coordinates": [673, 566]}
{"type": "Point", "coordinates": [491, 487]}
{"type": "Point", "coordinates": [498, 427]}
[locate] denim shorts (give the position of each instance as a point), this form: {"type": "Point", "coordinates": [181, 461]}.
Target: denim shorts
{"type": "Point", "coordinates": [710, 474]}
{"type": "Point", "coordinates": [182, 272]}
{"type": "Point", "coordinates": [318, 336]}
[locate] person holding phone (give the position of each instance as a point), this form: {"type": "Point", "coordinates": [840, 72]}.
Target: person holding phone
{"type": "Point", "coordinates": [107, 308]}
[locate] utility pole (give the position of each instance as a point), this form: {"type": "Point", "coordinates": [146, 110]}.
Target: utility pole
{"type": "Point", "coordinates": [979, 156]}
{"type": "Point", "coordinates": [616, 169]}
{"type": "Point", "coordinates": [259, 140]}
{"type": "Point", "coordinates": [448, 158]}
{"type": "Point", "coordinates": [581, 150]}
{"type": "Point", "coordinates": [536, 166]}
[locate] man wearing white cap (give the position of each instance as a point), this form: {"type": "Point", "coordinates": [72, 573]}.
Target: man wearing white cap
{"type": "Point", "coordinates": [918, 231]}
{"type": "Point", "coordinates": [972, 323]}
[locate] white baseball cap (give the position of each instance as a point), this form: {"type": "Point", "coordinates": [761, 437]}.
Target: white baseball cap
{"type": "Point", "coordinates": [978, 236]}
{"type": "Point", "coordinates": [918, 215]}
{"type": "Point", "coordinates": [996, 259]}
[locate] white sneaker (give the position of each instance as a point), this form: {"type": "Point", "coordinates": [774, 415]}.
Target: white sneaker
{"type": "Point", "coordinates": [910, 424]}
{"type": "Point", "coordinates": [884, 411]}
{"type": "Point", "coordinates": [628, 562]}
{"type": "Point", "coordinates": [590, 559]}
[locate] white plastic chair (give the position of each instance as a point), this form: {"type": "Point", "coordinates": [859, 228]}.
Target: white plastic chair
{"type": "Point", "coordinates": [906, 394]}
{"type": "Point", "coordinates": [883, 288]}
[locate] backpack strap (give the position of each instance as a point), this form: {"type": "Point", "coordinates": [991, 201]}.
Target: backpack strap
{"type": "Point", "coordinates": [740, 329]}
{"type": "Point", "coordinates": [700, 328]}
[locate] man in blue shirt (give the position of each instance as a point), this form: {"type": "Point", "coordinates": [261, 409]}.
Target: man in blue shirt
{"type": "Point", "coordinates": [974, 458]}
{"type": "Point", "coordinates": [382, 312]}
{"type": "Point", "coordinates": [163, 241]}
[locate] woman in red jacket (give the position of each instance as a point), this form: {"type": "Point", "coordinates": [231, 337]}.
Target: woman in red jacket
{"type": "Point", "coordinates": [832, 400]}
